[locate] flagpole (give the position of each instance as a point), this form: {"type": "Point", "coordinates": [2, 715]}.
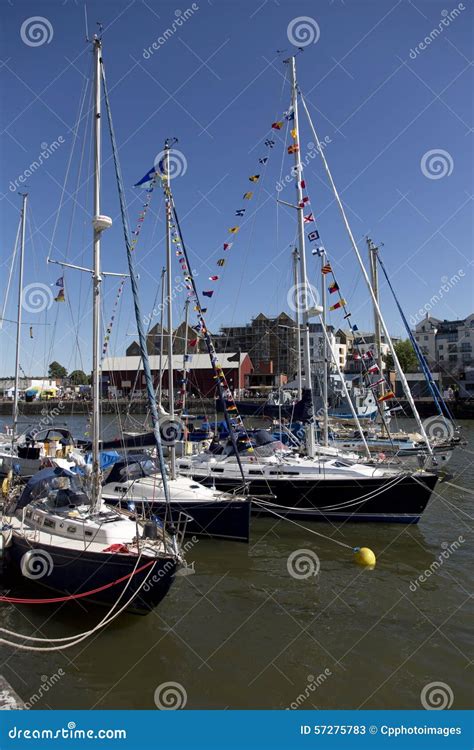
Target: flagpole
{"type": "Point", "coordinates": [172, 446]}
{"type": "Point", "coordinates": [298, 169]}
{"type": "Point", "coordinates": [388, 338]}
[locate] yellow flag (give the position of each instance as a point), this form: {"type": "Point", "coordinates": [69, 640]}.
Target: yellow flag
{"type": "Point", "coordinates": [247, 196]}
{"type": "Point", "coordinates": [254, 178]}
{"type": "Point", "coordinates": [234, 230]}
{"type": "Point", "coordinates": [293, 134]}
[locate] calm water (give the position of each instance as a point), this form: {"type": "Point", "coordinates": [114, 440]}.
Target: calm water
{"type": "Point", "coordinates": [243, 633]}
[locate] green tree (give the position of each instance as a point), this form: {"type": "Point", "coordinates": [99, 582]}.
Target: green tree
{"type": "Point", "coordinates": [78, 377]}
{"type": "Point", "coordinates": [406, 356]}
{"type": "Point", "coordinates": [56, 371]}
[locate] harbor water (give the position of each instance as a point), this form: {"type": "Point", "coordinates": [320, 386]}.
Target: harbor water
{"type": "Point", "coordinates": [288, 621]}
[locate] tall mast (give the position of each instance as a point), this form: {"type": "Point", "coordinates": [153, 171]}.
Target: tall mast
{"type": "Point", "coordinates": [96, 284]}
{"type": "Point", "coordinates": [18, 317]}
{"type": "Point", "coordinates": [374, 275]}
{"type": "Point", "coordinates": [388, 338]}
{"type": "Point", "coordinates": [185, 355]}
{"type": "Point", "coordinates": [162, 335]}
{"type": "Point", "coordinates": [325, 352]}
{"type": "Point", "coordinates": [298, 320]}
{"type": "Point", "coordinates": [310, 442]}
{"type": "Point", "coordinates": [169, 304]}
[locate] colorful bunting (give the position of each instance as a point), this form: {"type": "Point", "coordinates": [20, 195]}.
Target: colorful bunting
{"type": "Point", "coordinates": [373, 369]}
{"type": "Point", "coordinates": [247, 196]}
{"type": "Point", "coordinates": [213, 278]}
{"type": "Point", "coordinates": [333, 287]}
{"type": "Point", "coordinates": [254, 178]}
{"type": "Point", "coordinates": [240, 212]}
{"type": "Point", "coordinates": [234, 230]}
{"type": "Point", "coordinates": [293, 149]}
{"type": "Point", "coordinates": [386, 397]}
{"type": "Point", "coordinates": [293, 134]}
{"type": "Point", "coordinates": [308, 219]}
{"type": "Point", "coordinates": [277, 125]}
{"type": "Point", "coordinates": [60, 297]}
{"type": "Point", "coordinates": [263, 160]}
{"type": "Point", "coordinates": [208, 294]}
{"type": "Point", "coordinates": [228, 245]}
{"type": "Point", "coordinates": [313, 236]}
{"type": "Point", "coordinates": [337, 305]}
{"type": "Point", "coordinates": [269, 143]}
{"type": "Point", "coordinates": [221, 262]}
{"type": "Point", "coordinates": [326, 269]}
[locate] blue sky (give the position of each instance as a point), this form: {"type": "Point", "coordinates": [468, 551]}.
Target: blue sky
{"type": "Point", "coordinates": [385, 105]}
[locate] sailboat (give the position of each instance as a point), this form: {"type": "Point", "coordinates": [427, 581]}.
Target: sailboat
{"type": "Point", "coordinates": [318, 485]}
{"type": "Point", "coordinates": [59, 532]}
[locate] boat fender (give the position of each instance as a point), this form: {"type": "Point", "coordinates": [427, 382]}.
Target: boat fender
{"type": "Point", "coordinates": [365, 557]}
{"type": "Point", "coordinates": [6, 486]}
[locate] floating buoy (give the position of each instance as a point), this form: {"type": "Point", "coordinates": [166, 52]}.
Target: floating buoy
{"type": "Point", "coordinates": [364, 556]}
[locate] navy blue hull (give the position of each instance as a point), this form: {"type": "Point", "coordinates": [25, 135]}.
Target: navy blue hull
{"type": "Point", "coordinates": [220, 520]}
{"type": "Point", "coordinates": [72, 572]}
{"type": "Point", "coordinates": [371, 499]}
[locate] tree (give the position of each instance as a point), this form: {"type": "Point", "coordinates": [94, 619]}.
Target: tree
{"type": "Point", "coordinates": [78, 377]}
{"type": "Point", "coordinates": [406, 356]}
{"type": "Point", "coordinates": [56, 371]}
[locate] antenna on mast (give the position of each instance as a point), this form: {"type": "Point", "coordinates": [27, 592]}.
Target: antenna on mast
{"type": "Point", "coordinates": [86, 23]}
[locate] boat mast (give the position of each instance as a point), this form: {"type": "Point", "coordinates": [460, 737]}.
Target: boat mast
{"type": "Point", "coordinates": [298, 170]}
{"type": "Point", "coordinates": [162, 335]}
{"type": "Point", "coordinates": [374, 275]}
{"type": "Point", "coordinates": [18, 317]}
{"type": "Point", "coordinates": [96, 284]}
{"type": "Point", "coordinates": [185, 355]}
{"type": "Point", "coordinates": [166, 169]}
{"type": "Point", "coordinates": [325, 351]}
{"type": "Point", "coordinates": [298, 320]}
{"type": "Point", "coordinates": [387, 336]}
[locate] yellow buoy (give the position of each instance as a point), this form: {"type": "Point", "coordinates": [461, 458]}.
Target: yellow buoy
{"type": "Point", "coordinates": [364, 556]}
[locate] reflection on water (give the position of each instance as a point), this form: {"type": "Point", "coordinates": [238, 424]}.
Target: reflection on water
{"type": "Point", "coordinates": [244, 633]}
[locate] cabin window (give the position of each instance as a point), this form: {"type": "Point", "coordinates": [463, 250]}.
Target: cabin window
{"type": "Point", "coordinates": [49, 524]}
{"type": "Point", "coordinates": [88, 533]}
{"type": "Point", "coordinates": [217, 470]}
{"type": "Point", "coordinates": [71, 529]}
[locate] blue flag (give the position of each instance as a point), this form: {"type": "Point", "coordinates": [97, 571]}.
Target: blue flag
{"type": "Point", "coordinates": [147, 179]}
